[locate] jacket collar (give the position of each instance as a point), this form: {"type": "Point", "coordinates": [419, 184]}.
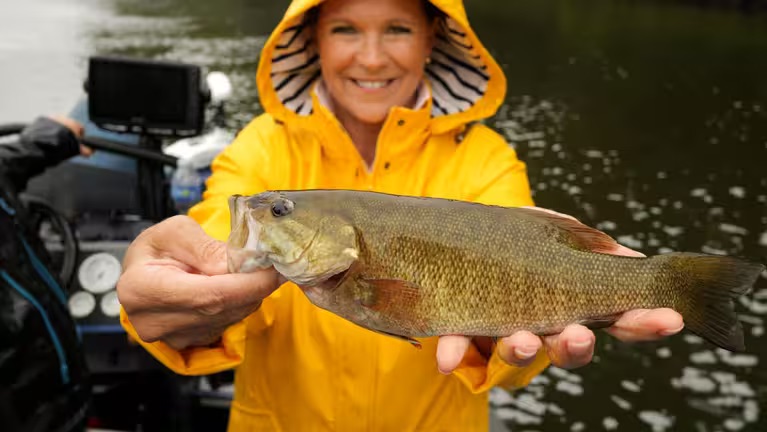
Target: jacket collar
{"type": "Point", "coordinates": [405, 131]}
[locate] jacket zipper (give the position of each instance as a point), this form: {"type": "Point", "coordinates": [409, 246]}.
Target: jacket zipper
{"type": "Point", "coordinates": [63, 366]}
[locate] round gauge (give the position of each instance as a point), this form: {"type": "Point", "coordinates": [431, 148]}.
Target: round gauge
{"type": "Point", "coordinates": [110, 305]}
{"type": "Point", "coordinates": [81, 304]}
{"type": "Point", "coordinates": [99, 272]}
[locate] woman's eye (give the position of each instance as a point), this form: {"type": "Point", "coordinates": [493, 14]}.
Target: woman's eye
{"type": "Point", "coordinates": [399, 30]}
{"type": "Point", "coordinates": [342, 29]}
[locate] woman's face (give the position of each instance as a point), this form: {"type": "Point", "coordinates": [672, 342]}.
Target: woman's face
{"type": "Point", "coordinates": [372, 54]}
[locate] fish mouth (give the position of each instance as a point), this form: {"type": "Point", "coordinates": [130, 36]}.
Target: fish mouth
{"type": "Point", "coordinates": [244, 251]}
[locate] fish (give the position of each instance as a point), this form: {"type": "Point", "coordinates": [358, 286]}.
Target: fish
{"type": "Point", "coordinates": [414, 267]}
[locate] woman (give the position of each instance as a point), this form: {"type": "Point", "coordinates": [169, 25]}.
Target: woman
{"type": "Point", "coordinates": [359, 94]}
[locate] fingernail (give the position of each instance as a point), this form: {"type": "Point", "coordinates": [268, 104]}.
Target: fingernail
{"type": "Point", "coordinates": [668, 332]}
{"type": "Point", "coordinates": [579, 347]}
{"type": "Point", "coordinates": [524, 353]}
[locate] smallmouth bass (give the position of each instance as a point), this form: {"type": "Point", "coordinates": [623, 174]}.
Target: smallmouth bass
{"type": "Point", "coordinates": [415, 267]}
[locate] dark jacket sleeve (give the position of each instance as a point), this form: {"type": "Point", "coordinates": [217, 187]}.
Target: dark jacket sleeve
{"type": "Point", "coordinates": [44, 143]}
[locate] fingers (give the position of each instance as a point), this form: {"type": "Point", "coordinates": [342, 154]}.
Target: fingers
{"type": "Point", "coordinates": [181, 238]}
{"type": "Point", "coordinates": [85, 151]}
{"type": "Point", "coordinates": [519, 349]}
{"type": "Point", "coordinates": [647, 325]}
{"type": "Point", "coordinates": [572, 348]}
{"type": "Point", "coordinates": [450, 352]}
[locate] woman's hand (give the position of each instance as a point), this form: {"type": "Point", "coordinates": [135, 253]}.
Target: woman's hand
{"type": "Point", "coordinates": [175, 286]}
{"type": "Point", "coordinates": [574, 346]}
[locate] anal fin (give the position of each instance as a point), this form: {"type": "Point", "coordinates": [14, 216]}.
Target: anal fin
{"type": "Point", "coordinates": [412, 341]}
{"type": "Point", "coordinates": [599, 322]}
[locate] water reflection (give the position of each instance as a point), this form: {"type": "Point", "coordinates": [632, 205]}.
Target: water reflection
{"type": "Point", "coordinates": [658, 180]}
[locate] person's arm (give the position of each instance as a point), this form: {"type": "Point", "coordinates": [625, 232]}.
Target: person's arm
{"type": "Point", "coordinates": [498, 177]}
{"type": "Point", "coordinates": [178, 300]}
{"type": "Point", "coordinates": [44, 143]}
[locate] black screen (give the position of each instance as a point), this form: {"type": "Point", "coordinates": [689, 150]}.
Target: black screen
{"type": "Point", "coordinates": [144, 94]}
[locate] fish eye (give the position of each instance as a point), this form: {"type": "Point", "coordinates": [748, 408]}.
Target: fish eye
{"type": "Point", "coordinates": [282, 207]}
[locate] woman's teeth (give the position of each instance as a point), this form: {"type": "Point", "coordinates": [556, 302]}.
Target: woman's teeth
{"type": "Point", "coordinates": [371, 84]}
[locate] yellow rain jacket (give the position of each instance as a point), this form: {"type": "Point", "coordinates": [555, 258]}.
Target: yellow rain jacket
{"type": "Point", "coordinates": [300, 368]}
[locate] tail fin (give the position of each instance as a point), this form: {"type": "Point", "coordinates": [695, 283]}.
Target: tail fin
{"type": "Point", "coordinates": [713, 283]}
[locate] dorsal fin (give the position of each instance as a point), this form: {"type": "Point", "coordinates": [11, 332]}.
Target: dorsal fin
{"type": "Point", "coordinates": [574, 233]}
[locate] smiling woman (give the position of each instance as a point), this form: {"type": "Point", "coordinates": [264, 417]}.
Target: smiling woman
{"type": "Point", "coordinates": [375, 95]}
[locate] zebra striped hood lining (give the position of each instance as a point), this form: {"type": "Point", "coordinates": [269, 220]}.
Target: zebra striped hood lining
{"type": "Point", "coordinates": [460, 72]}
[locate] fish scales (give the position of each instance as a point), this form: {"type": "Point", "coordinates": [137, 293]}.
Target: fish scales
{"type": "Point", "coordinates": [492, 278]}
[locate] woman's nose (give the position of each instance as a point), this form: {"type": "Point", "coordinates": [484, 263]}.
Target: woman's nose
{"type": "Point", "coordinates": [372, 53]}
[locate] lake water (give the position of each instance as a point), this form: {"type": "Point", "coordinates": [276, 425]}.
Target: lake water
{"type": "Point", "coordinates": [645, 119]}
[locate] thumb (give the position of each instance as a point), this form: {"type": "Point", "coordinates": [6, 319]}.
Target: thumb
{"type": "Point", "coordinates": [182, 239]}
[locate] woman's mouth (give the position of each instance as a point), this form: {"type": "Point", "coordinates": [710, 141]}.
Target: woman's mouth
{"type": "Point", "coordinates": [372, 84]}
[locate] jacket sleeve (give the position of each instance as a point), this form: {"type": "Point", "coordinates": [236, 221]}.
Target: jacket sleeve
{"type": "Point", "coordinates": [494, 175]}
{"type": "Point", "coordinates": [240, 169]}
{"type": "Point", "coordinates": [42, 144]}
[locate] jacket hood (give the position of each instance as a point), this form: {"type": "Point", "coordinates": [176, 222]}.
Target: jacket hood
{"type": "Point", "coordinates": [465, 81]}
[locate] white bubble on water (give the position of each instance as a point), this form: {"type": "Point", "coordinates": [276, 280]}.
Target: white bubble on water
{"type": "Point", "coordinates": [530, 404]}
{"type": "Point", "coordinates": [569, 388]}
{"type": "Point", "coordinates": [658, 420]}
{"type": "Point", "coordinates": [723, 377]}
{"type": "Point", "coordinates": [615, 197]}
{"type": "Point", "coordinates": [499, 396]}
{"type": "Point", "coordinates": [763, 239]}
{"type": "Point", "coordinates": [564, 375]}
{"type": "Point", "coordinates": [595, 154]}
{"type": "Point", "coordinates": [751, 411]}
{"type": "Point", "coordinates": [606, 225]}
{"type": "Point", "coordinates": [738, 191]}
{"type": "Point", "coordinates": [693, 339]}
{"type": "Point", "coordinates": [640, 216]}
{"type": "Point", "coordinates": [578, 427]}
{"type": "Point", "coordinates": [665, 250]}
{"type": "Point", "coordinates": [732, 229]}
{"type": "Point", "coordinates": [629, 241]}
{"type": "Point", "coordinates": [663, 352]}
{"type": "Point", "coordinates": [712, 250]}
{"type": "Point", "coordinates": [734, 424]}
{"type": "Point", "coordinates": [673, 231]}
{"type": "Point", "coordinates": [517, 416]}
{"type": "Point", "coordinates": [703, 357]}
{"type": "Point", "coordinates": [610, 423]}
{"type": "Point", "coordinates": [631, 386]}
{"type": "Point", "coordinates": [693, 379]}
{"type": "Point", "coordinates": [556, 410]}
{"type": "Point", "coordinates": [622, 403]}
{"type": "Point", "coordinates": [698, 192]}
